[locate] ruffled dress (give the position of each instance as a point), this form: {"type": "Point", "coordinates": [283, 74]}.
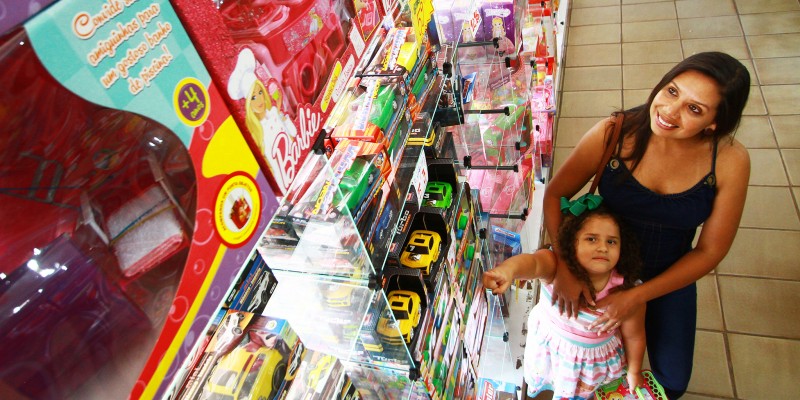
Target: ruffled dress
{"type": "Point", "coordinates": [564, 356]}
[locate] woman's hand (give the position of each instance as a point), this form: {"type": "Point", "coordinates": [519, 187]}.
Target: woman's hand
{"type": "Point", "coordinates": [619, 307]}
{"type": "Point", "coordinates": [498, 279]}
{"type": "Point", "coordinates": [567, 292]}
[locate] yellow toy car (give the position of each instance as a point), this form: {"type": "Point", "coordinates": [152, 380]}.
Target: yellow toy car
{"type": "Point", "coordinates": [421, 251]}
{"type": "Point", "coordinates": [242, 374]}
{"type": "Point", "coordinates": [405, 306]}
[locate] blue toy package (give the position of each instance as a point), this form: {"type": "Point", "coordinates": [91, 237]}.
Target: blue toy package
{"type": "Point", "coordinates": [618, 389]}
{"type": "Point", "coordinates": [490, 389]}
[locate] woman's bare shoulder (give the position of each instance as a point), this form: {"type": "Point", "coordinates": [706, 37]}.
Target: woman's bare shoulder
{"type": "Point", "coordinates": [733, 160]}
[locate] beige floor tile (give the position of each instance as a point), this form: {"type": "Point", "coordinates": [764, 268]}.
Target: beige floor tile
{"type": "Point", "coordinates": [782, 99]}
{"type": "Point", "coordinates": [755, 102]}
{"type": "Point", "coordinates": [792, 159]}
{"type": "Point", "coordinates": [708, 27]}
{"type": "Point", "coordinates": [772, 23]}
{"type": "Point", "coordinates": [766, 168]}
{"type": "Point", "coordinates": [593, 3]}
{"type": "Point", "coordinates": [796, 192]}
{"type": "Point", "coordinates": [592, 78]}
{"type": "Point", "coordinates": [644, 76]}
{"type": "Point", "coordinates": [735, 46]}
{"type": "Point", "coordinates": [753, 246]}
{"type": "Point", "coordinates": [594, 34]}
{"type": "Point", "coordinates": [765, 368]}
{"type": "Point", "coordinates": [648, 12]}
{"type": "Point", "coordinates": [710, 372]}
{"type": "Point", "coordinates": [709, 312]}
{"type": "Point", "coordinates": [695, 396]}
{"type": "Point", "coordinates": [559, 155]}
{"type": "Point", "coordinates": [755, 132]}
{"type": "Point", "coordinates": [778, 71]}
{"type": "Point", "coordinates": [650, 31]}
{"type": "Point", "coordinates": [704, 8]}
{"type": "Point", "coordinates": [786, 130]}
{"type": "Point", "coordinates": [652, 52]}
{"type": "Point", "coordinates": [593, 54]}
{"type": "Point", "coordinates": [640, 1]}
{"type": "Point", "coordinates": [595, 16]}
{"type": "Point", "coordinates": [763, 6]}
{"type": "Point", "coordinates": [770, 208]}
{"type": "Point", "coordinates": [760, 306]}
{"type": "Point", "coordinates": [634, 97]}
{"type": "Point", "coordinates": [571, 130]}
{"type": "Point", "coordinates": [768, 46]}
{"type": "Point", "coordinates": [599, 103]}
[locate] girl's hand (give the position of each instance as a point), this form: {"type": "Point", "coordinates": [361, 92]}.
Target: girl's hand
{"type": "Point", "coordinates": [569, 292]}
{"type": "Point", "coordinates": [635, 380]}
{"type": "Point", "coordinates": [619, 307]}
{"type": "Point", "coordinates": [497, 280]}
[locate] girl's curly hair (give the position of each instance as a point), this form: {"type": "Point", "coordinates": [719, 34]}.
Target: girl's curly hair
{"type": "Point", "coordinates": [629, 264]}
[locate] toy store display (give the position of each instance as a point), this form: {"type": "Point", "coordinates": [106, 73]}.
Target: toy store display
{"type": "Point", "coordinates": [286, 65]}
{"type": "Point", "coordinates": [130, 196]}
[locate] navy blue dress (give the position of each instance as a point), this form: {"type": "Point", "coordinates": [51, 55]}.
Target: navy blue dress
{"type": "Point", "coordinates": [665, 225]}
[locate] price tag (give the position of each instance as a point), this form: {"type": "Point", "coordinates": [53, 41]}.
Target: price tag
{"type": "Point", "coordinates": [420, 179]}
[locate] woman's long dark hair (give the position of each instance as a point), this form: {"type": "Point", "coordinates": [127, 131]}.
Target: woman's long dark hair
{"type": "Point", "coordinates": [733, 81]}
{"type": "Point", "coordinates": [629, 264]}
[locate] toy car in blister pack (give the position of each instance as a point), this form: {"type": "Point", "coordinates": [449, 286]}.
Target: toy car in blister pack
{"type": "Point", "coordinates": [296, 40]}
{"type": "Point", "coordinates": [438, 194]}
{"type": "Point", "coordinates": [405, 307]}
{"type": "Point", "coordinates": [421, 251]}
{"type": "Point", "coordinates": [397, 56]}
{"type": "Point", "coordinates": [375, 107]}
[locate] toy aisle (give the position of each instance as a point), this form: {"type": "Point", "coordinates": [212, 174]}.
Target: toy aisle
{"type": "Point", "coordinates": [271, 199]}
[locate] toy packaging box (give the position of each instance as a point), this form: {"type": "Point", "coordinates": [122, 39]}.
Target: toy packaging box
{"type": "Point", "coordinates": [121, 157]}
{"type": "Point", "coordinates": [284, 65]}
{"type": "Point", "coordinates": [490, 389]}
{"type": "Point", "coordinates": [249, 356]}
{"type": "Point", "coordinates": [619, 389]}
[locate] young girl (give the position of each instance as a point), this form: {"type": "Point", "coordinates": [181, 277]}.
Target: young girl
{"type": "Point", "coordinates": [561, 353]}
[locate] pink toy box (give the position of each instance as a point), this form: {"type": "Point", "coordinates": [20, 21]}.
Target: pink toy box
{"type": "Point", "coordinates": [285, 64]}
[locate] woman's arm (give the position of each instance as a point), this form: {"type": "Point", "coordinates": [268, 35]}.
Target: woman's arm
{"type": "Point", "coordinates": [541, 265]}
{"type": "Point", "coordinates": [716, 238]}
{"type": "Point", "coordinates": [634, 341]}
{"type": "Point", "coordinates": [574, 173]}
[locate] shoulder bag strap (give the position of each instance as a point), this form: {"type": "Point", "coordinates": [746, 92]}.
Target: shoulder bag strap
{"type": "Point", "coordinates": [610, 145]}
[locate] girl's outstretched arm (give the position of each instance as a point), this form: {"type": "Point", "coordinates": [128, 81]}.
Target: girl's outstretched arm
{"type": "Point", "coordinates": [634, 341]}
{"type": "Point", "coordinates": [539, 265]}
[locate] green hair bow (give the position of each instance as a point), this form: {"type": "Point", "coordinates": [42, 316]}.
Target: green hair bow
{"type": "Point", "coordinates": [576, 207]}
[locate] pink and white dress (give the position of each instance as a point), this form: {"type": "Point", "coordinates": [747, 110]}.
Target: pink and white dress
{"type": "Point", "coordinates": [564, 356]}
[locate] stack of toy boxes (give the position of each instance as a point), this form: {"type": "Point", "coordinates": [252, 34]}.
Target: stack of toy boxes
{"type": "Point", "coordinates": [284, 68]}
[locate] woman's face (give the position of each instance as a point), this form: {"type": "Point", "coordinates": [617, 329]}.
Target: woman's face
{"type": "Point", "coordinates": [685, 106]}
{"type": "Point", "coordinates": [258, 101]}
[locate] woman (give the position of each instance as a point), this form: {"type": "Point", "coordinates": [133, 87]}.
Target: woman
{"type": "Point", "coordinates": [676, 166]}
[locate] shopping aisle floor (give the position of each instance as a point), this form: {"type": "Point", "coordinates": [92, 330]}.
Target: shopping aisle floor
{"type": "Point", "coordinates": [748, 337]}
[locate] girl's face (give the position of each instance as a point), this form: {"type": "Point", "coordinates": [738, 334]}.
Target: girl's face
{"type": "Point", "coordinates": [685, 106]}
{"type": "Point", "coordinates": [258, 100]}
{"type": "Point", "coordinates": [598, 244]}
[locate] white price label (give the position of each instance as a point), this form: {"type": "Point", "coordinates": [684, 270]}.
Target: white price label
{"type": "Point", "coordinates": [420, 179]}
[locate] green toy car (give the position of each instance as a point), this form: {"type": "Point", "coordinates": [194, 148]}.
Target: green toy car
{"type": "Point", "coordinates": [438, 194]}
{"type": "Point", "coordinates": [355, 182]}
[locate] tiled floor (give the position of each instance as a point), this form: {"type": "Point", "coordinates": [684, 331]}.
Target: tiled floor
{"type": "Point", "coordinates": [748, 338]}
